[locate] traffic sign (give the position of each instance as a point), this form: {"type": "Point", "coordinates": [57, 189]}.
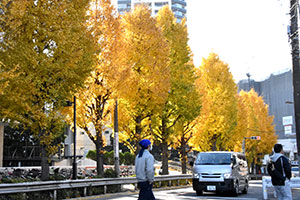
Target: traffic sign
{"type": "Point", "coordinates": [255, 138]}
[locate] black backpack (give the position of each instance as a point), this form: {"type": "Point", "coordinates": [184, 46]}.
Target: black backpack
{"type": "Point", "coordinates": [274, 173]}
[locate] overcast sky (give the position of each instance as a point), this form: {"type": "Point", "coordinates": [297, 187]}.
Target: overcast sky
{"type": "Point", "coordinates": [249, 35]}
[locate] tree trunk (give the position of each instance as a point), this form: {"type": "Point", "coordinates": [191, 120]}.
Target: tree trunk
{"type": "Point", "coordinates": [99, 153]}
{"type": "Point", "coordinates": [99, 157]}
{"type": "Point", "coordinates": [138, 147]}
{"type": "Point", "coordinates": [214, 143]}
{"type": "Point", "coordinates": [253, 168]}
{"type": "Point", "coordinates": [138, 131]}
{"type": "Point", "coordinates": [44, 164]}
{"type": "Point", "coordinates": [183, 157]}
{"type": "Point", "coordinates": [165, 165]}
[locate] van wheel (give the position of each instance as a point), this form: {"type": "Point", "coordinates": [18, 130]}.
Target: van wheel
{"type": "Point", "coordinates": [235, 191]}
{"type": "Point", "coordinates": [199, 192]}
{"type": "Point", "coordinates": [245, 190]}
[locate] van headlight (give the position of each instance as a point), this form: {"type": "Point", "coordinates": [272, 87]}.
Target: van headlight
{"type": "Point", "coordinates": [196, 175]}
{"type": "Point", "coordinates": [227, 175]}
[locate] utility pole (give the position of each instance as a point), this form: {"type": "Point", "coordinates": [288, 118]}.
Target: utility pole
{"type": "Point", "coordinates": [116, 140]}
{"type": "Point", "coordinates": [74, 164]}
{"type": "Point", "coordinates": [294, 9]}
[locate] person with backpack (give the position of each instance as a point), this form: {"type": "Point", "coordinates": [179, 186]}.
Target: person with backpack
{"type": "Point", "coordinates": [144, 170]}
{"type": "Point", "coordinates": [279, 169]}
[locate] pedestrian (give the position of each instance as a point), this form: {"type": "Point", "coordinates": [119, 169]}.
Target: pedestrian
{"type": "Point", "coordinates": [280, 170]}
{"type": "Point", "coordinates": [144, 170]}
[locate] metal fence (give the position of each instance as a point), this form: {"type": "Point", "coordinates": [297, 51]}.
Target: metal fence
{"type": "Point", "coordinates": [267, 183]}
{"type": "Point", "coordinates": [81, 183]}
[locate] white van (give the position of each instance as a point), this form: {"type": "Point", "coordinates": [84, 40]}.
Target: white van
{"type": "Point", "coordinates": [220, 171]}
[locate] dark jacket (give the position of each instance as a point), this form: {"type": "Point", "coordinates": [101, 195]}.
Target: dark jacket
{"type": "Point", "coordinates": [281, 163]}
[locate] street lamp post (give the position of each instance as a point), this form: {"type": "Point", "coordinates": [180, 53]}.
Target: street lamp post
{"type": "Point", "coordinates": [74, 176]}
{"type": "Point", "coordinates": [74, 164]}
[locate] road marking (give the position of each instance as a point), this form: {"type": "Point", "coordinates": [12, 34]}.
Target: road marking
{"type": "Point", "coordinates": [230, 198]}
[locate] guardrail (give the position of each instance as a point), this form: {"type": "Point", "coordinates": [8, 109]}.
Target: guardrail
{"type": "Point", "coordinates": [267, 183]}
{"type": "Point", "coordinates": [81, 183]}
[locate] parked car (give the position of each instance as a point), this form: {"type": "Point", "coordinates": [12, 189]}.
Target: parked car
{"type": "Point", "coordinates": [220, 171]}
{"type": "Point", "coordinates": [295, 171]}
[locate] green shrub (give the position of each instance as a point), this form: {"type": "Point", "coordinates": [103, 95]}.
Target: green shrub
{"type": "Point", "coordinates": [113, 188]}
{"type": "Point", "coordinates": [57, 177]}
{"type": "Point", "coordinates": [92, 155]}
{"type": "Point", "coordinates": [69, 193]}
{"type": "Point", "coordinates": [14, 180]}
{"type": "Point", "coordinates": [110, 173]}
{"type": "Point", "coordinates": [18, 196]}
{"type": "Point", "coordinates": [184, 182]}
{"type": "Point", "coordinates": [95, 190]}
{"type": "Point", "coordinates": [122, 158]}
{"type": "Point", "coordinates": [108, 158]}
{"type": "Point", "coordinates": [45, 195]}
{"type": "Point", "coordinates": [129, 158]}
{"type": "Point", "coordinates": [6, 180]}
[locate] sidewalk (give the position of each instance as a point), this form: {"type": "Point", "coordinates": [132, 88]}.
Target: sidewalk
{"type": "Point", "coordinates": [130, 193]}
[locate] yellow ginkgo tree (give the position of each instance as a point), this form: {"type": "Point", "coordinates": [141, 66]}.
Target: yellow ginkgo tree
{"type": "Point", "coordinates": [217, 121]}
{"type": "Point", "coordinates": [146, 56]}
{"type": "Point", "coordinates": [97, 97]}
{"type": "Point", "coordinates": [184, 128]}
{"type": "Point", "coordinates": [258, 123]}
{"type": "Point", "coordinates": [46, 47]}
{"type": "Point", "coordinates": [177, 104]}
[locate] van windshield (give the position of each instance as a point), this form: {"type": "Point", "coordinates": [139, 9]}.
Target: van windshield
{"type": "Point", "coordinates": [213, 159]}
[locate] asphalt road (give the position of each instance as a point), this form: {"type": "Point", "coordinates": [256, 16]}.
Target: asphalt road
{"type": "Point", "coordinates": [187, 193]}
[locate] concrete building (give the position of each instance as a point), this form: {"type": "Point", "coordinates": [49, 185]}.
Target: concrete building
{"type": "Point", "coordinates": [177, 6]}
{"type": "Point", "coordinates": [277, 91]}
{"type": "Point", "coordinates": [83, 145]}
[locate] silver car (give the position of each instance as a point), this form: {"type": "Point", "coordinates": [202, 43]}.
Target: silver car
{"type": "Point", "coordinates": [220, 171]}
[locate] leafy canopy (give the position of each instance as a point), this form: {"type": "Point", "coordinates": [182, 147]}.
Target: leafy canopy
{"type": "Point", "coordinates": [46, 54]}
{"type": "Point", "coordinates": [216, 124]}
{"type": "Point", "coordinates": [146, 55]}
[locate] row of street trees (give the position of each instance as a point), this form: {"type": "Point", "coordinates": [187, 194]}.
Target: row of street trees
{"type": "Point", "coordinates": [52, 50]}
{"type": "Point", "coordinates": [228, 117]}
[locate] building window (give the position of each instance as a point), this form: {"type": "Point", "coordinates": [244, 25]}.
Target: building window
{"type": "Point", "coordinates": [122, 6]}
{"type": "Point", "coordinates": [160, 4]}
{"type": "Point", "coordinates": [145, 4]}
{"type": "Point", "coordinates": [177, 5]}
{"type": "Point", "coordinates": [178, 13]}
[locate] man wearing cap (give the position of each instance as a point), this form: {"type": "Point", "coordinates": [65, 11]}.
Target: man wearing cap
{"type": "Point", "coordinates": [144, 170]}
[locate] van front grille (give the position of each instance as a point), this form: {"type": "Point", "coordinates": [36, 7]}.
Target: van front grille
{"type": "Point", "coordinates": [211, 175]}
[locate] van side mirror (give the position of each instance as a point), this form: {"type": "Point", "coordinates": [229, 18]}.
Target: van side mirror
{"type": "Point", "coordinates": [233, 161]}
{"type": "Point", "coordinates": [192, 163]}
